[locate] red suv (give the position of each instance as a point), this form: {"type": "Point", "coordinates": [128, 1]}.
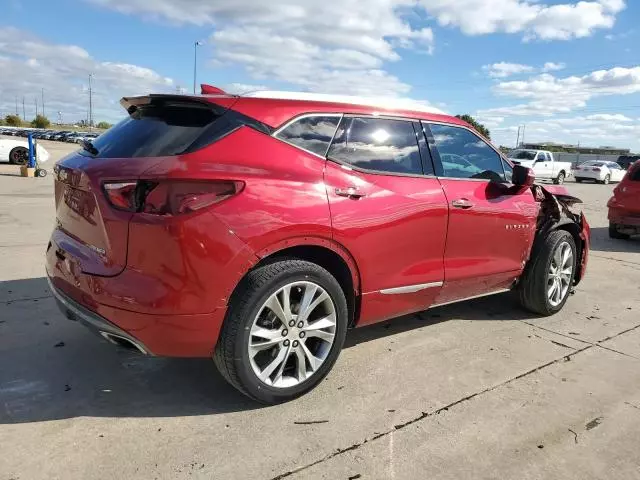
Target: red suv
{"type": "Point", "coordinates": [624, 206]}
{"type": "Point", "coordinates": [258, 229]}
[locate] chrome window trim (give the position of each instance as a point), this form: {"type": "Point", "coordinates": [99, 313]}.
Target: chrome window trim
{"type": "Point", "coordinates": [410, 288]}
{"type": "Point", "coordinates": [307, 115]}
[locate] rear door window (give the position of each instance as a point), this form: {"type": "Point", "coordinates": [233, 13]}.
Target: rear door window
{"type": "Point", "coordinates": [312, 133]}
{"type": "Point", "coordinates": [159, 130]}
{"type": "Point", "coordinates": [377, 145]}
{"type": "Point", "coordinates": [463, 154]}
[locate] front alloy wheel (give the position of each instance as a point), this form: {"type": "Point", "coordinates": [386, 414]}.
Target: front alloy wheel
{"type": "Point", "coordinates": [548, 278]}
{"type": "Point", "coordinates": [560, 274]}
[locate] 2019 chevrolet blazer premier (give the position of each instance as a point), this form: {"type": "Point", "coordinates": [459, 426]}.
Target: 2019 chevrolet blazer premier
{"type": "Point", "coordinates": [259, 229]}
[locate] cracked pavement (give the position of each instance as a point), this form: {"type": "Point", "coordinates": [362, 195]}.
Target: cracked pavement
{"type": "Point", "coordinates": [474, 390]}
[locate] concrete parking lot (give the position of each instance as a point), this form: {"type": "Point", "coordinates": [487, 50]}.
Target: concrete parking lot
{"type": "Point", "coordinates": [474, 390]}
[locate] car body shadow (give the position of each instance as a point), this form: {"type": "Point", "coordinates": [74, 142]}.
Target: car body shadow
{"type": "Point", "coordinates": [600, 242]}
{"type": "Point", "coordinates": [53, 368]}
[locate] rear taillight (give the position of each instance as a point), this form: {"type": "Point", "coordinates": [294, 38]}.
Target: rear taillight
{"type": "Point", "coordinates": [169, 197]}
{"type": "Point", "coordinates": [596, 169]}
{"type": "Point", "coordinates": [121, 195]}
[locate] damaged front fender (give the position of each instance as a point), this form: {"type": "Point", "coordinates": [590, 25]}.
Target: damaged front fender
{"type": "Point", "coordinates": [555, 214]}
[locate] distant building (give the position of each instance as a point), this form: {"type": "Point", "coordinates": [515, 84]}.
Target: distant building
{"type": "Point", "coordinates": [560, 147]}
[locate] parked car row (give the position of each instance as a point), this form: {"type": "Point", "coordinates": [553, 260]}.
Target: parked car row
{"type": "Point", "coordinates": [57, 135]}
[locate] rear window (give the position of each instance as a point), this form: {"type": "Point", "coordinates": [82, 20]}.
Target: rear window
{"type": "Point", "coordinates": [312, 133]}
{"type": "Point", "coordinates": [160, 130]}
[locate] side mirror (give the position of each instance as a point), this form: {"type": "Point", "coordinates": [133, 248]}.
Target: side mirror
{"type": "Point", "coordinates": [523, 176]}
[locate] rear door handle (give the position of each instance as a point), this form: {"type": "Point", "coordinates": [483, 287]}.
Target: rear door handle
{"type": "Point", "coordinates": [462, 203]}
{"type": "Point", "coordinates": [350, 192]}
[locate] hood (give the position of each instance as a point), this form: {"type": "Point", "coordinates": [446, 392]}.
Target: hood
{"type": "Point", "coordinates": [561, 193]}
{"type": "Point", "coordinates": [524, 163]}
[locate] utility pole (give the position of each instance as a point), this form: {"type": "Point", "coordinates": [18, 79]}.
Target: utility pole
{"type": "Point", "coordinates": [35, 100]}
{"type": "Point", "coordinates": [523, 127]}
{"type": "Point", "coordinates": [90, 103]}
{"type": "Point", "coordinates": [43, 101]}
{"type": "Point", "coordinates": [195, 63]}
{"type": "Point", "coordinates": [518, 137]}
{"type": "Point", "coordinates": [24, 115]}
{"type": "Point", "coordinates": [17, 106]}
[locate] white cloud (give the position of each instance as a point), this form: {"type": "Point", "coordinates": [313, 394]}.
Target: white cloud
{"type": "Point", "coordinates": [531, 18]}
{"type": "Point", "coordinates": [63, 71]}
{"type": "Point", "coordinates": [592, 130]}
{"type": "Point", "coordinates": [343, 45]}
{"type": "Point", "coordinates": [552, 67]}
{"type": "Point", "coordinates": [505, 69]}
{"type": "Point", "coordinates": [548, 94]}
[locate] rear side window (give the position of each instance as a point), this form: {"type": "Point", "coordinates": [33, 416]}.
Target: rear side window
{"type": "Point", "coordinates": [159, 130]}
{"type": "Point", "coordinates": [312, 133]}
{"type": "Point", "coordinates": [465, 155]}
{"type": "Point", "coordinates": [379, 145]}
{"type": "Point", "coordinates": [635, 174]}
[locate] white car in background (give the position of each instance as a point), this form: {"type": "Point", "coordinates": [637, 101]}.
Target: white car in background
{"type": "Point", "coordinates": [16, 151]}
{"type": "Point", "coordinates": [599, 170]}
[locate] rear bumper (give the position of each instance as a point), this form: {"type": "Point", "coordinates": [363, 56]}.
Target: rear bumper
{"type": "Point", "coordinates": [623, 216]}
{"type": "Point", "coordinates": [97, 324]}
{"type": "Point", "coordinates": [193, 335]}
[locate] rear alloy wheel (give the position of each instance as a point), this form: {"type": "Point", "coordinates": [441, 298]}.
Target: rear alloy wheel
{"type": "Point", "coordinates": [19, 156]}
{"type": "Point", "coordinates": [560, 179]}
{"type": "Point", "coordinates": [547, 281]}
{"type": "Point", "coordinates": [607, 179]}
{"type": "Point", "coordinates": [283, 332]}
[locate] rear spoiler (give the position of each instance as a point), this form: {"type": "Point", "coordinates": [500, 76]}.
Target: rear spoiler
{"type": "Point", "coordinates": [131, 104]}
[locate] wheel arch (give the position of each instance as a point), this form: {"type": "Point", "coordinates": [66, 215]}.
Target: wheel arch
{"type": "Point", "coordinates": [330, 255]}
{"type": "Point", "coordinates": [574, 230]}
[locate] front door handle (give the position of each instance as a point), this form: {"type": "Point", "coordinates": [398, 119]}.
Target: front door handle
{"type": "Point", "coordinates": [462, 203]}
{"type": "Point", "coordinates": [350, 192]}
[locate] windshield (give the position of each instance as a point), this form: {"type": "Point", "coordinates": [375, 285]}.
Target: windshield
{"type": "Point", "coordinates": [523, 154]}
{"type": "Point", "coordinates": [592, 164]}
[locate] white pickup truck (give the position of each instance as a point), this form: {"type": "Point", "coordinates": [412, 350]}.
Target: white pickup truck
{"type": "Point", "coordinates": [543, 163]}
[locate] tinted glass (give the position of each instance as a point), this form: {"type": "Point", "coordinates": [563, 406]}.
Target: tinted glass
{"type": "Point", "coordinates": [156, 130]}
{"type": "Point", "coordinates": [311, 133]}
{"type": "Point", "coordinates": [635, 174]}
{"type": "Point", "coordinates": [548, 156]}
{"type": "Point", "coordinates": [465, 155]}
{"type": "Point", "coordinates": [377, 144]}
{"type": "Point", "coordinates": [508, 171]}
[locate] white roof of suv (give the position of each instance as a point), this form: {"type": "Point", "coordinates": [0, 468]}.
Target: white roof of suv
{"type": "Point", "coordinates": [382, 102]}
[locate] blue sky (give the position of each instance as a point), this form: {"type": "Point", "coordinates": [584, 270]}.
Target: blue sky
{"type": "Point", "coordinates": [483, 57]}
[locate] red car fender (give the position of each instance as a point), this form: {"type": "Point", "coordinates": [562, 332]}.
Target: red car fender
{"type": "Point", "coordinates": [318, 242]}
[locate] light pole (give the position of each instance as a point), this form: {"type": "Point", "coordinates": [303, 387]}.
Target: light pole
{"type": "Point", "coordinates": [90, 103]}
{"type": "Point", "coordinates": [195, 62]}
{"type": "Point", "coordinates": [43, 101]}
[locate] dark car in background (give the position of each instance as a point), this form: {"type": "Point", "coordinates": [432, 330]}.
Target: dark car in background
{"type": "Point", "coordinates": [626, 160]}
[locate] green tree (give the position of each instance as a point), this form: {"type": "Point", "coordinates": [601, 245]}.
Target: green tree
{"type": "Point", "coordinates": [13, 120]}
{"type": "Point", "coordinates": [480, 128]}
{"type": "Point", "coordinates": [104, 125]}
{"type": "Point", "coordinates": [40, 122]}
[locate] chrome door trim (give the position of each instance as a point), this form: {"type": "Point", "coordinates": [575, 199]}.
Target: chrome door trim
{"type": "Point", "coordinates": [410, 288]}
{"type": "Point", "coordinates": [502, 290]}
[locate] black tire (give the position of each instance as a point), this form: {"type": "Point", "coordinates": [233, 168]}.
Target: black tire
{"type": "Point", "coordinates": [578, 180]}
{"type": "Point", "coordinates": [614, 233]}
{"type": "Point", "coordinates": [606, 180]}
{"type": "Point", "coordinates": [231, 352]}
{"type": "Point", "coordinates": [559, 180]}
{"type": "Point", "coordinates": [41, 172]}
{"type": "Point", "coordinates": [19, 156]}
{"type": "Point", "coordinates": [533, 284]}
